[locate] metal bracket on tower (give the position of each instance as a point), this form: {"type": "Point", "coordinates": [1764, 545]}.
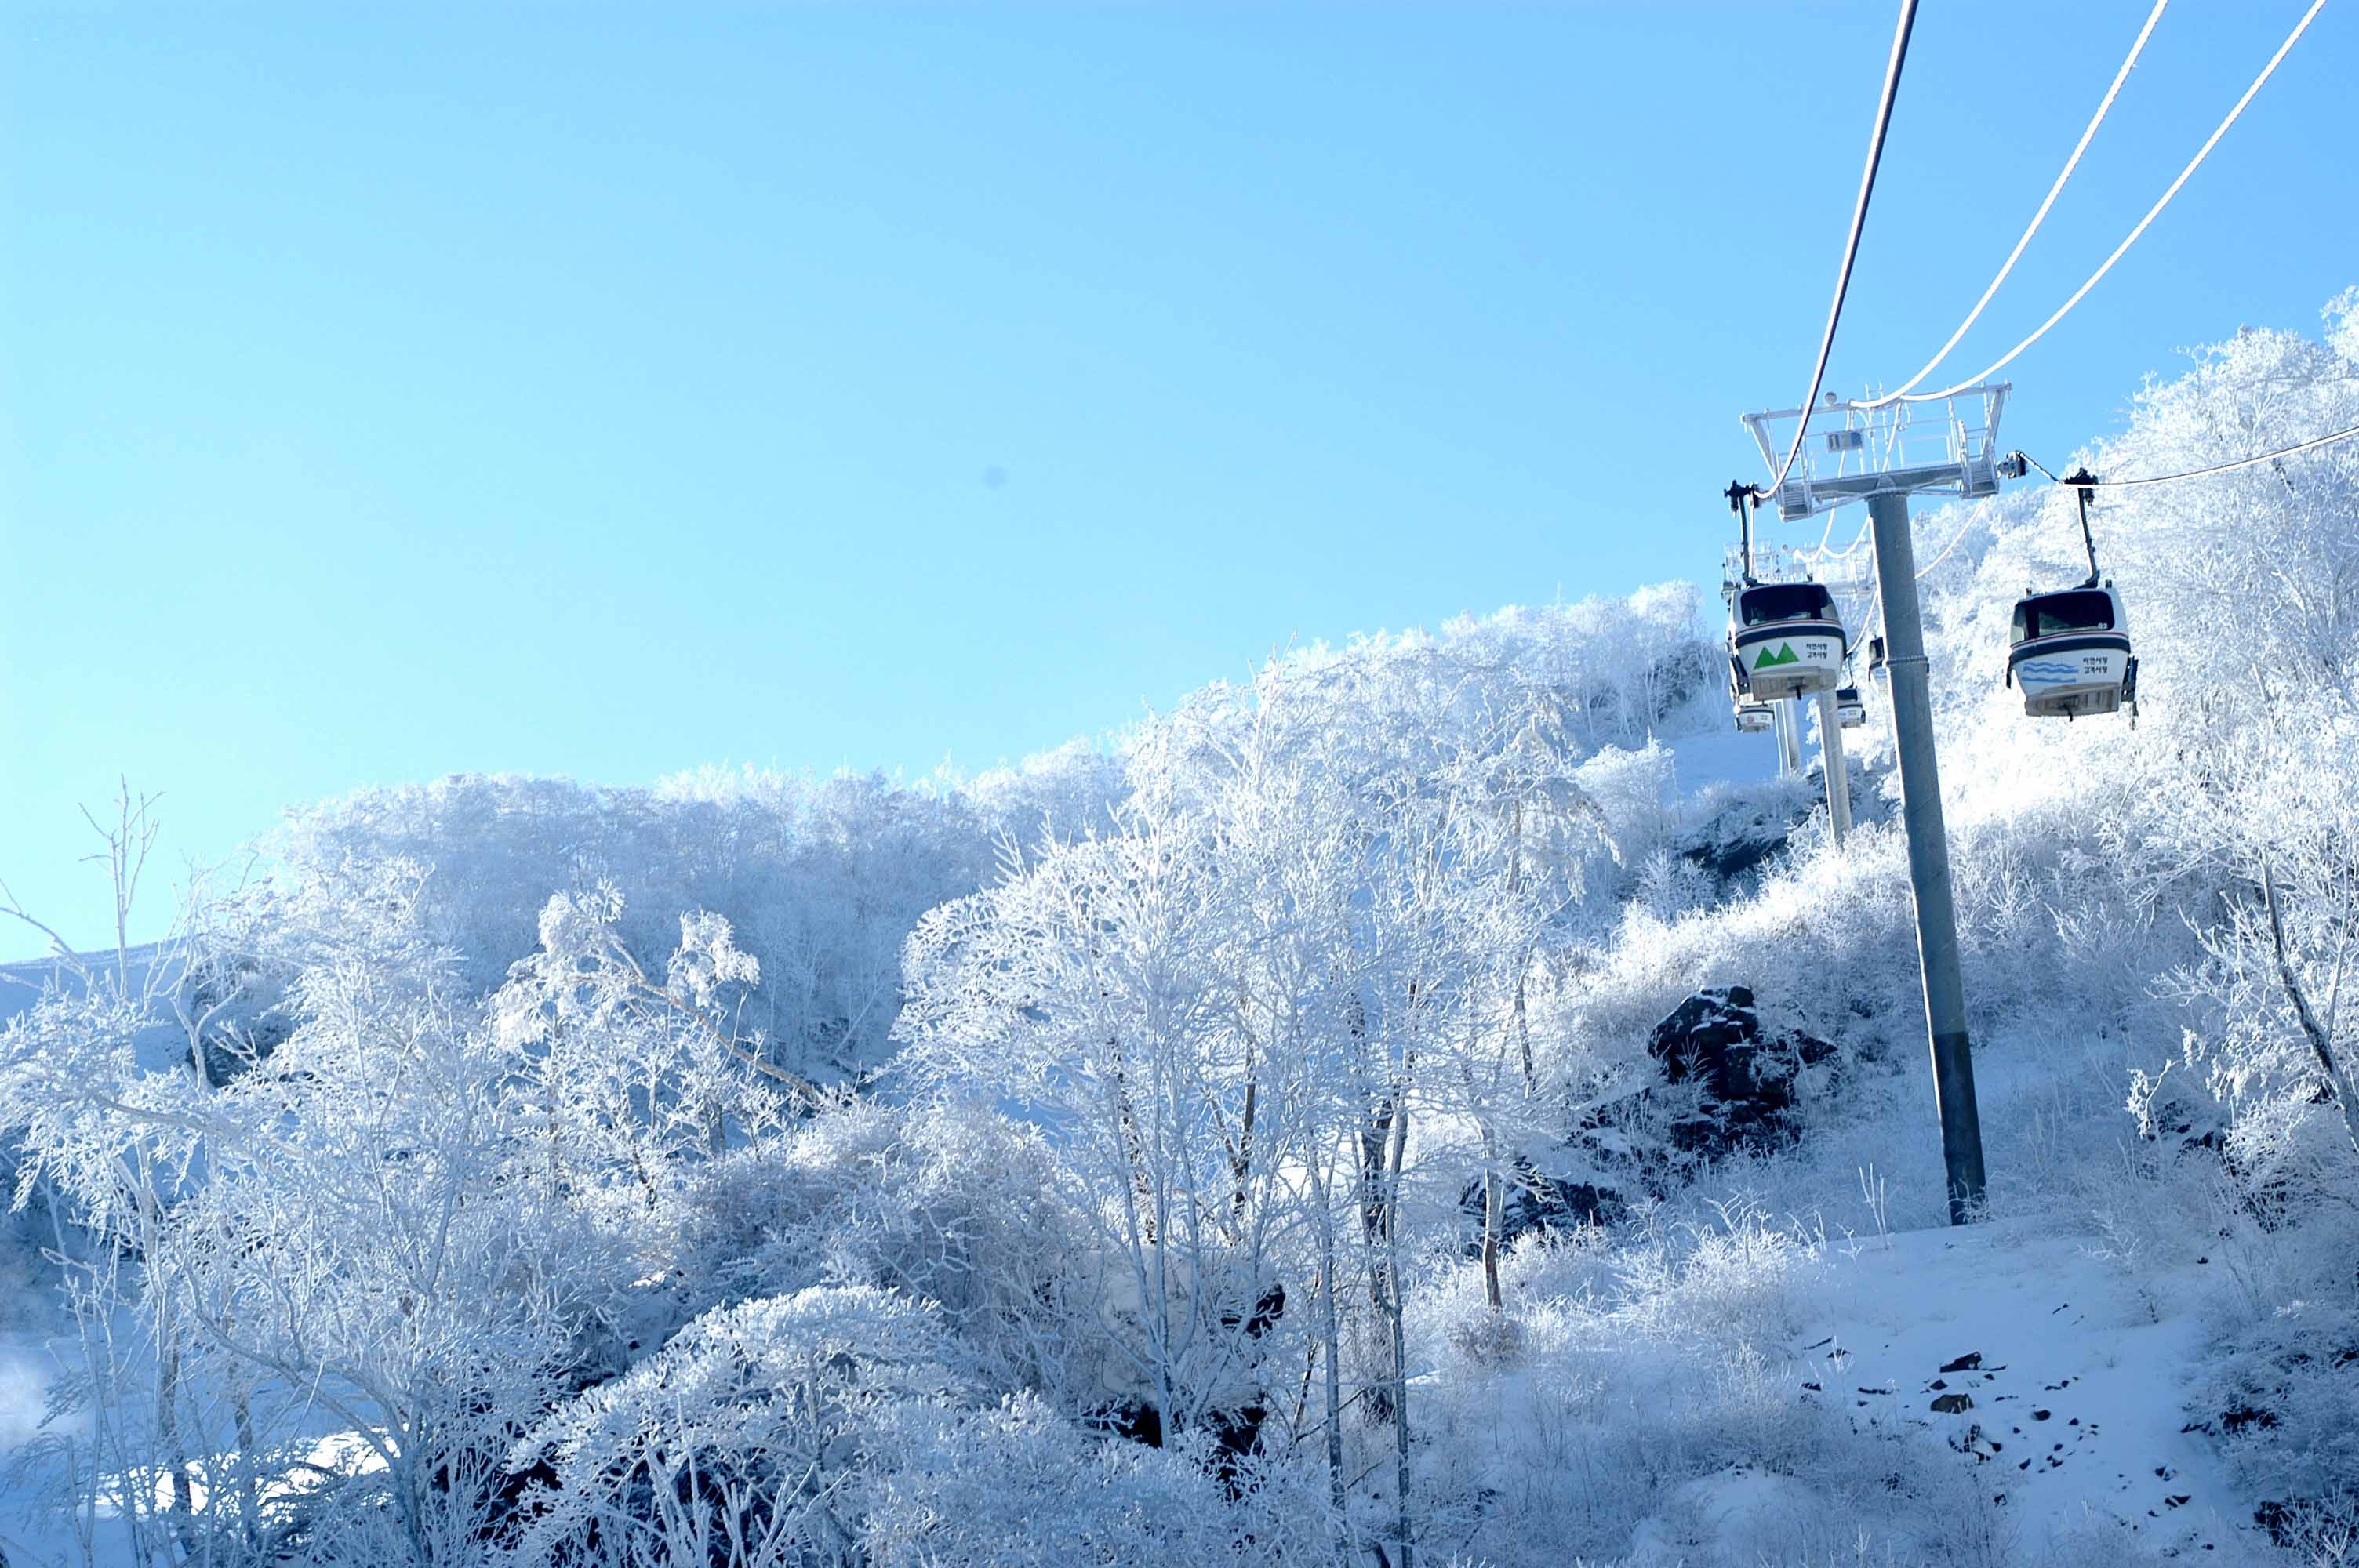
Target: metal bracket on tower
{"type": "Point", "coordinates": [1949, 447]}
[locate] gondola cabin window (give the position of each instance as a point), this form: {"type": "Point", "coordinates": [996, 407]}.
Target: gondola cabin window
{"type": "Point", "coordinates": [2053, 614]}
{"type": "Point", "coordinates": [1774, 602]}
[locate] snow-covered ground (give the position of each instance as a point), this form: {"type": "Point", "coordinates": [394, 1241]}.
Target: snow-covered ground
{"type": "Point", "coordinates": [1717, 754]}
{"type": "Point", "coordinates": [2054, 1375]}
{"type": "Point", "coordinates": [2075, 1382]}
{"type": "Point", "coordinates": [2071, 1389]}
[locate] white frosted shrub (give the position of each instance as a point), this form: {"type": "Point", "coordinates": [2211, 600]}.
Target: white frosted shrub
{"type": "Point", "coordinates": [1013, 1485]}
{"type": "Point", "coordinates": [739, 1442]}
{"type": "Point", "coordinates": [953, 1204]}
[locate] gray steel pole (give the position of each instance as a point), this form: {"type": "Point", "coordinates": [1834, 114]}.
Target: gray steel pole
{"type": "Point", "coordinates": [1789, 728]}
{"type": "Point", "coordinates": [1830, 762]}
{"type": "Point", "coordinates": [1929, 853]}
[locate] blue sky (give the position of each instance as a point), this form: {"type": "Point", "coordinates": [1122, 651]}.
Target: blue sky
{"type": "Point", "coordinates": [606, 390]}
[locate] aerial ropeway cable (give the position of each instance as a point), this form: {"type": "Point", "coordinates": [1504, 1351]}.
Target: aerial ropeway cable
{"type": "Point", "coordinates": [1823, 555]}
{"type": "Point", "coordinates": [2084, 480]}
{"type": "Point", "coordinates": [2152, 213]}
{"type": "Point", "coordinates": [1858, 224]}
{"type": "Point", "coordinates": [2081, 482]}
{"type": "Point", "coordinates": [2104, 107]}
{"type": "Point", "coordinates": [1955, 540]}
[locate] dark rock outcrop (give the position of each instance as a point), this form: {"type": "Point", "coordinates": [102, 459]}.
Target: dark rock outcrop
{"type": "Point", "coordinates": [1746, 827]}
{"type": "Point", "coordinates": [1536, 1201]}
{"type": "Point", "coordinates": [1745, 1082]}
{"type": "Point", "coordinates": [1236, 1431]}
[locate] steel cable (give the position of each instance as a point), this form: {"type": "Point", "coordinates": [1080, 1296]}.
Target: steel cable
{"type": "Point", "coordinates": [2193, 473]}
{"type": "Point", "coordinates": [2104, 107]}
{"type": "Point", "coordinates": [2152, 213]}
{"type": "Point", "coordinates": [1858, 225]}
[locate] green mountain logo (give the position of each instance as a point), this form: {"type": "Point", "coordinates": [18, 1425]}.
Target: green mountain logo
{"type": "Point", "coordinates": [1772, 657]}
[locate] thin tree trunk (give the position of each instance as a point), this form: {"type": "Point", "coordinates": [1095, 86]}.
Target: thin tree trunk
{"type": "Point", "coordinates": [1331, 1335]}
{"type": "Point", "coordinates": [1396, 1158]}
{"type": "Point", "coordinates": [1375, 1138]}
{"type": "Point", "coordinates": [181, 1510]}
{"type": "Point", "coordinates": [167, 1432]}
{"type": "Point", "coordinates": [1524, 960]}
{"type": "Point", "coordinates": [1134, 1142]}
{"type": "Point", "coordinates": [249, 1451]}
{"type": "Point", "coordinates": [2320, 1042]}
{"type": "Point", "coordinates": [1524, 1027]}
{"type": "Point", "coordinates": [1495, 1216]}
{"type": "Point", "coordinates": [1241, 1161]}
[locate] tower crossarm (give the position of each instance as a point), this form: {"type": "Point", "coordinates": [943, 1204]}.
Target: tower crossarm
{"type": "Point", "coordinates": [1851, 451]}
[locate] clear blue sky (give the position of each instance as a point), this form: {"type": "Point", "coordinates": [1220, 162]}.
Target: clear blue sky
{"type": "Point", "coordinates": [396, 391]}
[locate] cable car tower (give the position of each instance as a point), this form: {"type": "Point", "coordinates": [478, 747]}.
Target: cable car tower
{"type": "Point", "coordinates": [1882, 454]}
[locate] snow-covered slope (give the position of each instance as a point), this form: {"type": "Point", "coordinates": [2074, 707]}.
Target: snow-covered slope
{"type": "Point", "coordinates": [2076, 1376]}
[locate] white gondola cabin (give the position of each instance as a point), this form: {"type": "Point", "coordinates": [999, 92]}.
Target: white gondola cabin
{"type": "Point", "coordinates": [1851, 710]}
{"type": "Point", "coordinates": [1786, 640]}
{"type": "Point", "coordinates": [2071, 654]}
{"type": "Point", "coordinates": [1754, 717]}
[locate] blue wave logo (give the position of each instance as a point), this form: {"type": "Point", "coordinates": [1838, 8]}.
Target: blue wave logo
{"type": "Point", "coordinates": [2047, 669]}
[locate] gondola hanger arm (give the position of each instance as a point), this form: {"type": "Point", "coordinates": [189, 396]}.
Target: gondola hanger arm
{"type": "Point", "coordinates": [2085, 487]}
{"type": "Point", "coordinates": [1742, 499]}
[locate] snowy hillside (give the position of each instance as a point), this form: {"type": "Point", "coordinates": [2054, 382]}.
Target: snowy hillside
{"type": "Point", "coordinates": [1443, 1099]}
